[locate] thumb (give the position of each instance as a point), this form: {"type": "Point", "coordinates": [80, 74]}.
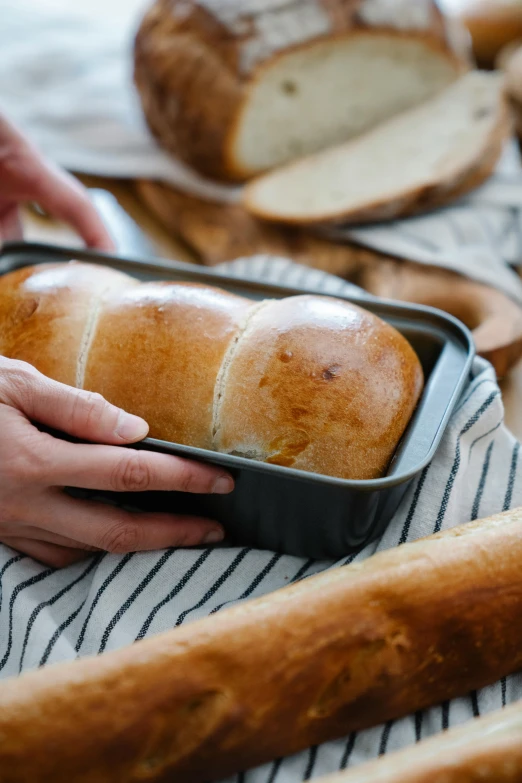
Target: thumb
{"type": "Point", "coordinates": [83, 414]}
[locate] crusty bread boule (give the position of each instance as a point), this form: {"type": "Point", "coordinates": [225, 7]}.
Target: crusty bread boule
{"type": "Point", "coordinates": [235, 87]}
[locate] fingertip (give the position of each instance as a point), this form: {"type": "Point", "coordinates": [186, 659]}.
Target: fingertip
{"type": "Point", "coordinates": [131, 428]}
{"type": "Point", "coordinates": [102, 242]}
{"type": "Point", "coordinates": [223, 485]}
{"type": "Point", "coordinates": [214, 536]}
{"type": "Point", "coordinates": [64, 197]}
{"type": "Point", "coordinates": [197, 531]}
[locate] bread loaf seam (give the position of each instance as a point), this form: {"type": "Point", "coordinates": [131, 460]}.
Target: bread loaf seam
{"type": "Point", "coordinates": [221, 378]}
{"type": "Point", "coordinates": [88, 336]}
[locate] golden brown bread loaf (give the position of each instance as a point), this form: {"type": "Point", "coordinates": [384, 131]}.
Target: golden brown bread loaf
{"type": "Point", "coordinates": [308, 382]}
{"type": "Point", "coordinates": [338, 652]}
{"type": "Point", "coordinates": [234, 87]}
{"type": "Point", "coordinates": [487, 749]}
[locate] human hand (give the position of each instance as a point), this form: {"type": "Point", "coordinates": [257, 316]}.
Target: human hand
{"type": "Point", "coordinates": [39, 519]}
{"type": "Point", "coordinates": [25, 176]}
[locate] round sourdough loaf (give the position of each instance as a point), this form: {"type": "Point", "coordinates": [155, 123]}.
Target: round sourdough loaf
{"type": "Point", "coordinates": [308, 382]}
{"type": "Point", "coordinates": [235, 87]}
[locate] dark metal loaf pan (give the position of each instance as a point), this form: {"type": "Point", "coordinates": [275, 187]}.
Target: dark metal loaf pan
{"type": "Point", "coordinates": [280, 508]}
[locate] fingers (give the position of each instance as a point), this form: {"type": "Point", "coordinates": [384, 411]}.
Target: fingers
{"type": "Point", "coordinates": [10, 225]}
{"type": "Point", "coordinates": [90, 417]}
{"type": "Point", "coordinates": [32, 504]}
{"type": "Point", "coordinates": [64, 198]}
{"type": "Point", "coordinates": [40, 534]}
{"type": "Point", "coordinates": [79, 413]}
{"type": "Point", "coordinates": [25, 175]}
{"type": "Point", "coordinates": [127, 470]}
{"type": "Point", "coordinates": [49, 554]}
{"type": "Point", "coordinates": [113, 530]}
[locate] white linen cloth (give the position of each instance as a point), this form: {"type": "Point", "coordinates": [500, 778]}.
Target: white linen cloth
{"type": "Point", "coordinates": [66, 79]}
{"type": "Point", "coordinates": [108, 602]}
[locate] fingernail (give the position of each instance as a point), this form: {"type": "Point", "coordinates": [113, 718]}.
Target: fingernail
{"type": "Point", "coordinates": [214, 537]}
{"type": "Point", "coordinates": [131, 427]}
{"type": "Point", "coordinates": [223, 485]}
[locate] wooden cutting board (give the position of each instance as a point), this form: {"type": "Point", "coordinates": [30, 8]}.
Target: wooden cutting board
{"type": "Point", "coordinates": [218, 233]}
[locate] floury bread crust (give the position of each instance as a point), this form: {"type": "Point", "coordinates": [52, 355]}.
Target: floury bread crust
{"type": "Point", "coordinates": [234, 87]}
{"type": "Point", "coordinates": [339, 652]}
{"type": "Point", "coordinates": [309, 382]}
{"type": "Point", "coordinates": [422, 159]}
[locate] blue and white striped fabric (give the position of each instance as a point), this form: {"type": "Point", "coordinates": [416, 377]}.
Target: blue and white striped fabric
{"type": "Point", "coordinates": [110, 601]}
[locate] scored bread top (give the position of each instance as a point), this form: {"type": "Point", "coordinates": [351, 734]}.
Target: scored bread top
{"type": "Point", "coordinates": [45, 313]}
{"type": "Point", "coordinates": [157, 351]}
{"type": "Point", "coordinates": [309, 382]}
{"type": "Point", "coordinates": [332, 385]}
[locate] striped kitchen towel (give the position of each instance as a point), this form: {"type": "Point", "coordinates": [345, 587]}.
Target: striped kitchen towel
{"type": "Point", "coordinates": [111, 600]}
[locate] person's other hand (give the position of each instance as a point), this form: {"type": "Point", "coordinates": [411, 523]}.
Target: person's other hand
{"type": "Point", "coordinates": [39, 519]}
{"type": "Point", "coordinates": [25, 176]}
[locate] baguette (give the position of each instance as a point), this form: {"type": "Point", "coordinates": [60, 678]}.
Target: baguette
{"type": "Point", "coordinates": [308, 382]}
{"type": "Point", "coordinates": [234, 87]}
{"type": "Point", "coordinates": [338, 652]}
{"type": "Point", "coordinates": [487, 749]}
{"type": "Point", "coordinates": [425, 158]}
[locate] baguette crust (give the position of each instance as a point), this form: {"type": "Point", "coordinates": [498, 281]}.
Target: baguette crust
{"type": "Point", "coordinates": [195, 61]}
{"type": "Point", "coordinates": [339, 652]}
{"type": "Point", "coordinates": [487, 749]}
{"type": "Point", "coordinates": [221, 232]}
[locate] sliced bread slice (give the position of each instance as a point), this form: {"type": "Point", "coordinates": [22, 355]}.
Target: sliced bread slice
{"type": "Point", "coordinates": [422, 159]}
{"type": "Point", "coordinates": [331, 91]}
